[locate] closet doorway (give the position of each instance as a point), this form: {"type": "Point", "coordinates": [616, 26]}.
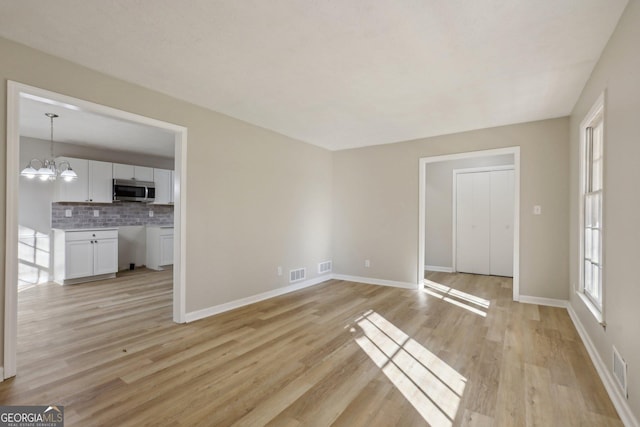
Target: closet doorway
{"type": "Point", "coordinates": [483, 220]}
{"type": "Point", "coordinates": [436, 219]}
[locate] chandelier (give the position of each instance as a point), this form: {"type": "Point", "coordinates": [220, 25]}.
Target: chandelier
{"type": "Point", "coordinates": [47, 169]}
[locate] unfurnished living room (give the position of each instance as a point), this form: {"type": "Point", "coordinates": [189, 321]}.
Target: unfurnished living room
{"type": "Point", "coordinates": [314, 213]}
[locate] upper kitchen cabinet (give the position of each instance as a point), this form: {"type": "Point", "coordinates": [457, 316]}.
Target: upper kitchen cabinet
{"type": "Point", "coordinates": [76, 190]}
{"type": "Point", "coordinates": [139, 173]}
{"type": "Point", "coordinates": [164, 186]}
{"type": "Point", "coordinates": [100, 182]}
{"type": "Point", "coordinates": [94, 183]}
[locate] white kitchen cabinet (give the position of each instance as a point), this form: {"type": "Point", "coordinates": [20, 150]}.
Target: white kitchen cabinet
{"type": "Point", "coordinates": [139, 173]}
{"type": "Point", "coordinates": [143, 173]}
{"type": "Point", "coordinates": [100, 182]}
{"type": "Point", "coordinates": [94, 182]}
{"type": "Point", "coordinates": [76, 190]}
{"type": "Point", "coordinates": [164, 186]}
{"type": "Point", "coordinates": [173, 194]}
{"type": "Point", "coordinates": [121, 171]}
{"type": "Point", "coordinates": [84, 255]}
{"type": "Point", "coordinates": [159, 247]}
{"type": "Point", "coordinates": [79, 259]}
{"type": "Point", "coordinates": [166, 249]}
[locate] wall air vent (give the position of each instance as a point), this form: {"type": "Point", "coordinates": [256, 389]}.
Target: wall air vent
{"type": "Point", "coordinates": [324, 267]}
{"type": "Point", "coordinates": [620, 371]}
{"type": "Point", "coordinates": [297, 275]}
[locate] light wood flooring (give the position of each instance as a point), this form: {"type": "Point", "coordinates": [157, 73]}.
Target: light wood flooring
{"type": "Point", "coordinates": [340, 353]}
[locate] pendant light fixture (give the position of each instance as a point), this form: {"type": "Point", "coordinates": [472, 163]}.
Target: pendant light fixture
{"type": "Point", "coordinates": [48, 171]}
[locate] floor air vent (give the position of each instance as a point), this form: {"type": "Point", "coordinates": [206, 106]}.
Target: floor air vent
{"type": "Point", "coordinates": [297, 275]}
{"type": "Point", "coordinates": [620, 371]}
{"type": "Point", "coordinates": [324, 267]}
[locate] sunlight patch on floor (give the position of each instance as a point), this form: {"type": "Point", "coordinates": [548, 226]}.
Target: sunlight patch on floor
{"type": "Point", "coordinates": [461, 299]}
{"type": "Point", "coordinates": [427, 382]}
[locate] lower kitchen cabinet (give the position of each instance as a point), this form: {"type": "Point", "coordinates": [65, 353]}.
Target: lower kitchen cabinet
{"type": "Point", "coordinates": [159, 247]}
{"type": "Point", "coordinates": [84, 255]}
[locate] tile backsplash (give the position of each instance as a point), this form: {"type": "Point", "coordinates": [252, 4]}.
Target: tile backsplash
{"type": "Point", "coordinates": [110, 215]}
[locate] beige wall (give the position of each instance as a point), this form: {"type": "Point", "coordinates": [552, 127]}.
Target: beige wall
{"type": "Point", "coordinates": [375, 203]}
{"type": "Point", "coordinates": [439, 205]}
{"type": "Point", "coordinates": [257, 199]}
{"type": "Point", "coordinates": [617, 72]}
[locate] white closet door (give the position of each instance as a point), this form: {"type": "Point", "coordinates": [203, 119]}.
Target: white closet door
{"type": "Point", "coordinates": [502, 193]}
{"type": "Point", "coordinates": [473, 223]}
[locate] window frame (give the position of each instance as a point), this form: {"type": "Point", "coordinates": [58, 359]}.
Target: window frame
{"type": "Point", "coordinates": [593, 119]}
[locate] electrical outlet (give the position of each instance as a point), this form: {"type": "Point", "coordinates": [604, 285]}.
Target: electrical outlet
{"type": "Point", "coordinates": [68, 213]}
{"type": "Point", "coordinates": [150, 214]}
{"type": "Point", "coordinates": [96, 212]}
{"type": "Point", "coordinates": [367, 263]}
{"type": "Point", "coordinates": [537, 210]}
{"type": "Point", "coordinates": [279, 271]}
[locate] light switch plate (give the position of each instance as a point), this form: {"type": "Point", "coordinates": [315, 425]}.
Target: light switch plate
{"type": "Point", "coordinates": [150, 214]}
{"type": "Point", "coordinates": [96, 212]}
{"type": "Point", "coordinates": [68, 213]}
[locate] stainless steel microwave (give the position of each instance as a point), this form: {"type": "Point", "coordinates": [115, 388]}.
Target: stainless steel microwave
{"type": "Point", "coordinates": [133, 190]}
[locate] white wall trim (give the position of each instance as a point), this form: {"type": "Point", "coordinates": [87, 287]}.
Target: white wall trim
{"type": "Point", "coordinates": [483, 169]}
{"type": "Point", "coordinates": [11, 232]}
{"type": "Point", "coordinates": [599, 107]}
{"type": "Point", "coordinates": [381, 282]}
{"type": "Point", "coordinates": [621, 404]}
{"type": "Point", "coordinates": [516, 209]}
{"type": "Point", "coordinates": [231, 305]}
{"type": "Point", "coordinates": [1, 374]}
{"type": "Point", "coordinates": [438, 268]}
{"type": "Point", "coordinates": [549, 302]}
{"type": "Point", "coordinates": [14, 90]}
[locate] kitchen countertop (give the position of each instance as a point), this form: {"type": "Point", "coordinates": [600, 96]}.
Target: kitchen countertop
{"type": "Point", "coordinates": [87, 229]}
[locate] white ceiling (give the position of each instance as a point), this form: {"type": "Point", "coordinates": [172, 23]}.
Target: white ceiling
{"type": "Point", "coordinates": [337, 74]}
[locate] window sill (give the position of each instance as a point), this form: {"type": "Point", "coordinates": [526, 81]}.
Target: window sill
{"type": "Point", "coordinates": [595, 311]}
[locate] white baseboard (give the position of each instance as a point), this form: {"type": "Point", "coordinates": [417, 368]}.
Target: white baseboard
{"type": "Point", "coordinates": [1, 373]}
{"type": "Point", "coordinates": [221, 308]}
{"type": "Point", "coordinates": [550, 302]}
{"type": "Point", "coordinates": [439, 268]}
{"type": "Point", "coordinates": [619, 401]}
{"type": "Point", "coordinates": [372, 281]}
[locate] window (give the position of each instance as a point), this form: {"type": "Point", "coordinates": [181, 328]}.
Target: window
{"type": "Point", "coordinates": [592, 135]}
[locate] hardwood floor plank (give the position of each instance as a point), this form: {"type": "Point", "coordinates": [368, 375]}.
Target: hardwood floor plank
{"type": "Point", "coordinates": [459, 353]}
{"type": "Point", "coordinates": [474, 419]}
{"type": "Point", "coordinates": [538, 396]}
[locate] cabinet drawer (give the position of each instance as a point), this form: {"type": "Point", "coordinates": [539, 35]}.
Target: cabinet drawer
{"type": "Point", "coordinates": [71, 236]}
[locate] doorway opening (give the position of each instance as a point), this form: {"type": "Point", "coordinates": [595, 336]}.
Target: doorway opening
{"type": "Point", "coordinates": [439, 241]}
{"type": "Point", "coordinates": [18, 94]}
